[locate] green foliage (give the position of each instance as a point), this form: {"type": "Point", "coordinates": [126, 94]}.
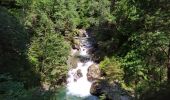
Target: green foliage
{"type": "Point", "coordinates": [103, 97]}
{"type": "Point", "coordinates": [33, 49]}
{"type": "Point", "coordinates": [14, 90]}
{"type": "Point", "coordinates": [133, 67]}
{"type": "Point", "coordinates": [46, 20]}
{"type": "Point", "coordinates": [139, 36]}
{"type": "Point", "coordinates": [115, 72]}
{"type": "Point", "coordinates": [13, 48]}
{"type": "Point", "coordinates": [49, 56]}
{"type": "Point", "coordinates": [10, 89]}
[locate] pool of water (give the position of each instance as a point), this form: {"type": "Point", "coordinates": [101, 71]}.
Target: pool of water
{"type": "Point", "coordinates": [61, 94]}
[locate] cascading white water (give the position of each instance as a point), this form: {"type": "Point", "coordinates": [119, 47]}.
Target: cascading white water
{"type": "Point", "coordinates": [80, 86]}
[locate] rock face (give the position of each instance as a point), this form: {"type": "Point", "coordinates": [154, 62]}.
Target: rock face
{"type": "Point", "coordinates": [112, 92]}
{"type": "Point", "coordinates": [93, 73]}
{"type": "Point", "coordinates": [78, 75]}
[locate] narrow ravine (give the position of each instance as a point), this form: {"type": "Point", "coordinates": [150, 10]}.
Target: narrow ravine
{"type": "Point", "coordinates": [77, 82]}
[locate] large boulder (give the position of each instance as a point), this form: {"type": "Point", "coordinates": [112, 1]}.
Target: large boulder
{"type": "Point", "coordinates": [93, 73]}
{"type": "Point", "coordinates": [97, 88]}
{"type": "Point", "coordinates": [111, 91]}
{"type": "Point", "coordinates": [78, 75]}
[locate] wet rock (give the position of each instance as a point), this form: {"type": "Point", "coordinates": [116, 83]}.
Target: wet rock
{"type": "Point", "coordinates": [82, 33]}
{"type": "Point", "coordinates": [100, 87]}
{"type": "Point", "coordinates": [75, 47]}
{"type": "Point", "coordinates": [75, 80]}
{"type": "Point", "coordinates": [84, 59]}
{"type": "Point", "coordinates": [45, 86]}
{"type": "Point", "coordinates": [73, 52]}
{"type": "Point", "coordinates": [72, 61]}
{"type": "Point", "coordinates": [111, 91]}
{"type": "Point", "coordinates": [93, 73]}
{"type": "Point", "coordinates": [78, 75]}
{"type": "Point", "coordinates": [76, 44]}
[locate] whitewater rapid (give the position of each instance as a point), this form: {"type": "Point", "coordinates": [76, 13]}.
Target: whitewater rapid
{"type": "Point", "coordinates": [80, 86]}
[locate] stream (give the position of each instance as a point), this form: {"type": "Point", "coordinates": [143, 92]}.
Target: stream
{"type": "Point", "coordinates": [78, 86]}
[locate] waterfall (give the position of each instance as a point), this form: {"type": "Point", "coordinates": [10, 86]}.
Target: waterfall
{"type": "Point", "coordinates": [77, 82]}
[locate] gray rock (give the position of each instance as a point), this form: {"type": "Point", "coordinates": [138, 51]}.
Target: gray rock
{"type": "Point", "coordinates": [93, 73]}
{"type": "Point", "coordinates": [78, 75]}
{"type": "Point", "coordinates": [82, 33]}
{"type": "Point", "coordinates": [76, 44]}
{"type": "Point", "coordinates": [112, 92]}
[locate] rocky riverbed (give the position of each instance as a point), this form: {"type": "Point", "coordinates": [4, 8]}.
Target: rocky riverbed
{"type": "Point", "coordinates": [84, 77]}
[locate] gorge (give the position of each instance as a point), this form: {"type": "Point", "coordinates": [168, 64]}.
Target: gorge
{"type": "Point", "coordinates": [84, 50]}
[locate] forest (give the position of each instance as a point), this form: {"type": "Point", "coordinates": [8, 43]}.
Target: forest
{"type": "Point", "coordinates": [131, 47]}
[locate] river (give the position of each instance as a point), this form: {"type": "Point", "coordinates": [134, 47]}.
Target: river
{"type": "Point", "coordinates": [78, 86]}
